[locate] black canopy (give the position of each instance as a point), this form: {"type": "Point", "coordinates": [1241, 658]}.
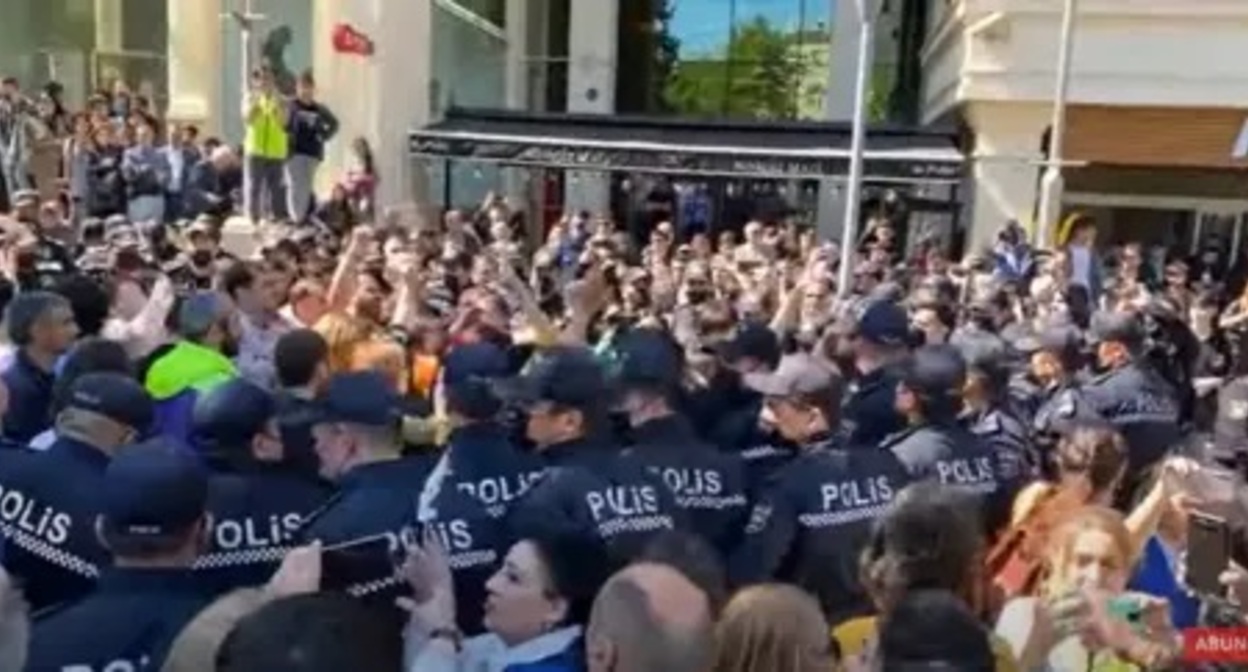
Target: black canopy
{"type": "Point", "coordinates": [684, 146]}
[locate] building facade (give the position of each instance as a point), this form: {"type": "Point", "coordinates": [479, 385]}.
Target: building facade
{"type": "Point", "coordinates": [1157, 129]}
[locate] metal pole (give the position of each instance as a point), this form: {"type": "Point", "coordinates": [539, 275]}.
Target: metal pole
{"type": "Point", "coordinates": [853, 195]}
{"type": "Point", "coordinates": [245, 33]}
{"type": "Point", "coordinates": [1052, 185]}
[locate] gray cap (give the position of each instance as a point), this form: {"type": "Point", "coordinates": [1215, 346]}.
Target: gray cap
{"type": "Point", "coordinates": [799, 375]}
{"type": "Point", "coordinates": [198, 313]}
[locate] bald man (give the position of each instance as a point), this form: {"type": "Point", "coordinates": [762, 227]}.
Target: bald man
{"type": "Point", "coordinates": [649, 618]}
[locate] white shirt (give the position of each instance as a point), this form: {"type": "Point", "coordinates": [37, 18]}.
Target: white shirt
{"type": "Point", "coordinates": [256, 347]}
{"type": "Point", "coordinates": [486, 653]}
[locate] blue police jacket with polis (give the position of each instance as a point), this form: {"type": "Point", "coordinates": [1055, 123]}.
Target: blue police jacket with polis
{"type": "Point", "coordinates": [588, 489]}
{"type": "Point", "coordinates": [709, 486]}
{"type": "Point", "coordinates": [870, 407]}
{"type": "Point", "coordinates": [809, 525]}
{"type": "Point", "coordinates": [257, 517]}
{"type": "Point", "coordinates": [1009, 439]}
{"type": "Point", "coordinates": [945, 451]}
{"type": "Point", "coordinates": [48, 505]}
{"type": "Point", "coordinates": [373, 500]}
{"type": "Point", "coordinates": [127, 623]}
{"type": "Point", "coordinates": [30, 398]}
{"type": "Point", "coordinates": [1143, 407]}
{"type": "Point", "coordinates": [481, 461]}
{"type": "Point", "coordinates": [474, 535]}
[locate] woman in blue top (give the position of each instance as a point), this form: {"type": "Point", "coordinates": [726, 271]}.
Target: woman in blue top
{"type": "Point", "coordinates": [1158, 573]}
{"type": "Point", "coordinates": [537, 606]}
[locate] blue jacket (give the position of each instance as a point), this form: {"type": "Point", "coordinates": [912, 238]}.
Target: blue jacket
{"type": "Point", "coordinates": [30, 399]}
{"type": "Point", "coordinates": [48, 507]}
{"type": "Point", "coordinates": [128, 622]}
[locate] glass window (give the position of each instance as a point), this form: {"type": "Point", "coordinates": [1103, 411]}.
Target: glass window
{"type": "Point", "coordinates": [749, 58]}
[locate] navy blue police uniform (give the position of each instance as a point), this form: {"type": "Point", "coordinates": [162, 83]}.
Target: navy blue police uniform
{"type": "Point", "coordinates": [809, 524]}
{"type": "Point", "coordinates": [994, 422]}
{"type": "Point", "coordinates": [30, 399]}
{"type": "Point", "coordinates": [937, 446]}
{"type": "Point", "coordinates": [870, 411]}
{"type": "Point", "coordinates": [381, 500]}
{"type": "Point", "coordinates": [1135, 399]}
{"type": "Point", "coordinates": [732, 411]}
{"type": "Point", "coordinates": [152, 493]}
{"type": "Point", "coordinates": [709, 485]}
{"type": "Point", "coordinates": [1061, 405]}
{"type": "Point", "coordinates": [49, 501]}
{"type": "Point", "coordinates": [478, 476]}
{"type": "Point", "coordinates": [258, 507]}
{"type": "Point", "coordinates": [587, 488]}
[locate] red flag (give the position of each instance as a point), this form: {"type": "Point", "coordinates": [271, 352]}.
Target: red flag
{"type": "Point", "coordinates": [348, 40]}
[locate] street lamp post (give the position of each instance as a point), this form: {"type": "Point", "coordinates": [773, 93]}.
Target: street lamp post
{"type": "Point", "coordinates": [868, 11]}
{"type": "Point", "coordinates": [1052, 185]}
{"type": "Point", "coordinates": [246, 18]}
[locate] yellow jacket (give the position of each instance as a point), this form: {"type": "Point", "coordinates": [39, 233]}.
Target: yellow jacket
{"type": "Point", "coordinates": [266, 129]}
{"type": "Point", "coordinates": [855, 636]}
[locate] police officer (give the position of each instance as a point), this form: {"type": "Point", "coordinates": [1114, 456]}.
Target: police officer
{"type": "Point", "coordinates": [49, 500]}
{"type": "Point", "coordinates": [480, 473]}
{"type": "Point", "coordinates": [1132, 396]}
{"type": "Point", "coordinates": [262, 490]}
{"type": "Point", "coordinates": [357, 439]}
{"type": "Point", "coordinates": [709, 485]}
{"type": "Point", "coordinates": [301, 359]}
{"type": "Point", "coordinates": [480, 459]}
{"type": "Point", "coordinates": [810, 522]}
{"type": "Point", "coordinates": [1053, 364]}
{"type": "Point", "coordinates": [586, 488]}
{"type": "Point", "coordinates": [935, 445]}
{"type": "Point", "coordinates": [880, 338]}
{"type": "Point", "coordinates": [153, 519]}
{"type": "Point", "coordinates": [986, 409]}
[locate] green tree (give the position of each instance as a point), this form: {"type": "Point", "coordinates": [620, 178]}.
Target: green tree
{"type": "Point", "coordinates": [758, 75]}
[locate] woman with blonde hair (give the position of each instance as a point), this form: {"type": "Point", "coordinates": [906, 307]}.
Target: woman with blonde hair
{"type": "Point", "coordinates": [343, 334]}
{"type": "Point", "coordinates": [1083, 617]}
{"type": "Point", "coordinates": [773, 628]}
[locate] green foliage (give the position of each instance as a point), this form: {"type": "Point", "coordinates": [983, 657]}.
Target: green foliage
{"type": "Point", "coordinates": [759, 76]}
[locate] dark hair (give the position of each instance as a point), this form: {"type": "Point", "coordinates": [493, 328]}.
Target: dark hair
{"type": "Point", "coordinates": [306, 78]}
{"type": "Point", "coordinates": [296, 356]}
{"type": "Point", "coordinates": [577, 565]}
{"type": "Point", "coordinates": [320, 632]}
{"type": "Point", "coordinates": [90, 355]}
{"type": "Point", "coordinates": [694, 558]}
{"type": "Point", "coordinates": [28, 308]}
{"type": "Point", "coordinates": [237, 276]}
{"type": "Point", "coordinates": [88, 299]}
{"type": "Point", "coordinates": [934, 628]}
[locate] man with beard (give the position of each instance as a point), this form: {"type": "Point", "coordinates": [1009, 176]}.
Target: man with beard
{"type": "Point", "coordinates": [199, 359]}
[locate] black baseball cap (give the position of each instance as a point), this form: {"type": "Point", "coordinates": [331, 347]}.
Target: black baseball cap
{"type": "Point", "coordinates": [364, 398]}
{"type": "Point", "coordinates": [115, 396]}
{"type": "Point", "coordinates": [884, 323]}
{"type": "Point", "coordinates": [566, 376]}
{"type": "Point", "coordinates": [152, 491]}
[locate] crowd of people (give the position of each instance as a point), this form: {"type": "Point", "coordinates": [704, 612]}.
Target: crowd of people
{"type": "Point", "coordinates": [421, 441]}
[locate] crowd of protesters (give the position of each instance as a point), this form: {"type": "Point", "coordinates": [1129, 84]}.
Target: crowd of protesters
{"type": "Point", "coordinates": [421, 441]}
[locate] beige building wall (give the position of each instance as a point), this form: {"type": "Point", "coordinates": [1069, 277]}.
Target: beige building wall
{"type": "Point", "coordinates": [994, 62]}
{"type": "Point", "coordinates": [194, 62]}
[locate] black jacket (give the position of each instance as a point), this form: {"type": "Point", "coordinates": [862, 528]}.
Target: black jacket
{"type": "Point", "coordinates": [48, 506]}
{"type": "Point", "coordinates": [30, 399]}
{"type": "Point", "coordinates": [310, 126]}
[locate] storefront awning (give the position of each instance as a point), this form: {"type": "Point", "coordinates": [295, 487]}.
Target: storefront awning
{"type": "Point", "coordinates": [791, 150]}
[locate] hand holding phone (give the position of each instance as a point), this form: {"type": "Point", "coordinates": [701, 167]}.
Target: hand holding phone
{"type": "Point", "coordinates": [1208, 554]}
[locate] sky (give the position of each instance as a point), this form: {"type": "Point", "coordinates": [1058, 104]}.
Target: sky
{"type": "Point", "coordinates": [703, 25]}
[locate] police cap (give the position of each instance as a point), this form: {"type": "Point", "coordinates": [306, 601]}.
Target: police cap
{"type": "Point", "coordinates": [883, 323]}
{"type": "Point", "coordinates": [650, 359]}
{"type": "Point", "coordinates": [986, 355]}
{"type": "Point", "coordinates": [232, 413]}
{"type": "Point", "coordinates": [152, 491]}
{"type": "Point", "coordinates": [754, 341]}
{"type": "Point", "coordinates": [364, 398]}
{"type": "Point", "coordinates": [935, 373]}
{"type": "Point", "coordinates": [800, 376]}
{"type": "Point", "coordinates": [565, 376]}
{"type": "Point", "coordinates": [115, 396]}
{"type": "Point", "coordinates": [467, 375]}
